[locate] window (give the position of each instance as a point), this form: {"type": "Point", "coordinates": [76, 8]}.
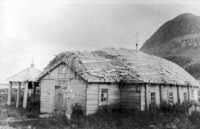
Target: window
{"type": "Point", "coordinates": [192, 93]}
{"type": "Point", "coordinates": [185, 95]}
{"type": "Point", "coordinates": [170, 98]}
{"type": "Point", "coordinates": [153, 97]}
{"type": "Point", "coordinates": [104, 95]}
{"type": "Point", "coordinates": [63, 69]}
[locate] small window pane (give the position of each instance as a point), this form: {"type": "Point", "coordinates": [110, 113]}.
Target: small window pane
{"type": "Point", "coordinates": [170, 97]}
{"type": "Point", "coordinates": [104, 95]}
{"type": "Point", "coordinates": [153, 97]}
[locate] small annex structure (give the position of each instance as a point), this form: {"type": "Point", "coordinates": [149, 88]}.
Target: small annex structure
{"type": "Point", "coordinates": [26, 78]}
{"type": "Point", "coordinates": [112, 76]}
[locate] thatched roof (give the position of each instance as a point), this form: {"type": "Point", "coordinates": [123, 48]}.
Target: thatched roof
{"type": "Point", "coordinates": [122, 65]}
{"type": "Point", "coordinates": [29, 74]}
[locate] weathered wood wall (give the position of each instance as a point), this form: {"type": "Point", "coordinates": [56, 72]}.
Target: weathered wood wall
{"type": "Point", "coordinates": [93, 96]}
{"type": "Point", "coordinates": [170, 88]}
{"type": "Point", "coordinates": [67, 80]}
{"type": "Point", "coordinates": [130, 95]}
{"type": "Point", "coordinates": [165, 93]}
{"type": "Point", "coordinates": [88, 95]}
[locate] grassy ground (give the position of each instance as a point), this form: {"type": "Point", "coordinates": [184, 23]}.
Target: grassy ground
{"type": "Point", "coordinates": [109, 117]}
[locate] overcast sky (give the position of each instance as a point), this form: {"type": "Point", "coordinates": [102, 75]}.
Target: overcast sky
{"type": "Point", "coordinates": [42, 29]}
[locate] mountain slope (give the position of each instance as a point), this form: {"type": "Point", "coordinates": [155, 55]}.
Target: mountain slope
{"type": "Point", "coordinates": [178, 40]}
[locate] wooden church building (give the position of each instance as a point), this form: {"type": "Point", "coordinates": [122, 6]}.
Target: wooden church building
{"type": "Point", "coordinates": [111, 76]}
{"type": "Point", "coordinates": [26, 79]}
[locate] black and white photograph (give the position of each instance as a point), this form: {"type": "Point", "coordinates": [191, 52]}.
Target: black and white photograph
{"type": "Point", "coordinates": [99, 64]}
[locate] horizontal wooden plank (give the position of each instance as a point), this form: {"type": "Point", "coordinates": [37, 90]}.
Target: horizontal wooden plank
{"type": "Point", "coordinates": [93, 96]}
{"type": "Point", "coordinates": [47, 96]}
{"type": "Point", "coordinates": [130, 95]}
{"type": "Point", "coordinates": [92, 102]}
{"type": "Point", "coordinates": [78, 82]}
{"type": "Point", "coordinates": [89, 112]}
{"type": "Point", "coordinates": [114, 97]}
{"type": "Point", "coordinates": [92, 92]}
{"type": "Point", "coordinates": [114, 101]}
{"type": "Point", "coordinates": [115, 92]}
{"type": "Point", "coordinates": [104, 86]}
{"type": "Point", "coordinates": [114, 89]}
{"type": "Point", "coordinates": [46, 107]}
{"type": "Point", "coordinates": [93, 86]}
{"type": "Point", "coordinates": [92, 107]}
{"type": "Point", "coordinates": [129, 90]}
{"type": "Point", "coordinates": [128, 103]}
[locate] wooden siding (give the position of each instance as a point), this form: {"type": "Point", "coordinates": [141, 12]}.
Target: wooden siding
{"type": "Point", "coordinates": [68, 81]}
{"type": "Point", "coordinates": [167, 89]}
{"type": "Point", "coordinates": [154, 88]}
{"type": "Point", "coordinates": [47, 96]}
{"type": "Point", "coordinates": [93, 96]}
{"type": "Point", "coordinates": [79, 92]}
{"type": "Point", "coordinates": [130, 96]}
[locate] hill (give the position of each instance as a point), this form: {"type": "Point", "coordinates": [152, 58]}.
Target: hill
{"type": "Point", "coordinates": [178, 40]}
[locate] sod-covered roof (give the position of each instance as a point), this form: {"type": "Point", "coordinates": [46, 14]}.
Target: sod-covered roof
{"type": "Point", "coordinates": [122, 65]}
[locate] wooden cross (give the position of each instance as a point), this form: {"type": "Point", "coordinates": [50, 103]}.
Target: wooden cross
{"type": "Point", "coordinates": [136, 39]}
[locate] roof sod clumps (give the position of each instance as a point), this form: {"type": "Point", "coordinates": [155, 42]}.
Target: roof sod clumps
{"type": "Point", "coordinates": [116, 65]}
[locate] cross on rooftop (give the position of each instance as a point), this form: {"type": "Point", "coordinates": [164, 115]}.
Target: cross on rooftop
{"type": "Point", "coordinates": [136, 39]}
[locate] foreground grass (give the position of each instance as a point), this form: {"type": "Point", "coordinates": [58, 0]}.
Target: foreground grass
{"type": "Point", "coordinates": [108, 117]}
{"type": "Point", "coordinates": [134, 120]}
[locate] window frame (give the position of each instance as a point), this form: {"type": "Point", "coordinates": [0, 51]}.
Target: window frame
{"type": "Point", "coordinates": [104, 98]}
{"type": "Point", "coordinates": [170, 97]}
{"type": "Point", "coordinates": [154, 101]}
{"type": "Point", "coordinates": [106, 101]}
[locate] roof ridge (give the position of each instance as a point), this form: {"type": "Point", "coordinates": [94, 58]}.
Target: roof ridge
{"type": "Point", "coordinates": [28, 72]}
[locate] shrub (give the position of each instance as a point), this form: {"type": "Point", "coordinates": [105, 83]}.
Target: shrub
{"type": "Point", "coordinates": [33, 106]}
{"type": "Point", "coordinates": [153, 107]}
{"type": "Point", "coordinates": [115, 109]}
{"type": "Point", "coordinates": [195, 118]}
{"type": "Point", "coordinates": [77, 109]}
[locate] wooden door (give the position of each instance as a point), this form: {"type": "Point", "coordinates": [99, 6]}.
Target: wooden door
{"type": "Point", "coordinates": [58, 98]}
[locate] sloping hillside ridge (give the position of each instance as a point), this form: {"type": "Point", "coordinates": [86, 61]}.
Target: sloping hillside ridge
{"type": "Point", "coordinates": [178, 40]}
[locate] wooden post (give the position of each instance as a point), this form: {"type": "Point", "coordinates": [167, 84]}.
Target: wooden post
{"type": "Point", "coordinates": [161, 93]}
{"type": "Point", "coordinates": [34, 91]}
{"type": "Point", "coordinates": [25, 94]}
{"type": "Point", "coordinates": [178, 95]}
{"type": "Point", "coordinates": [9, 93]}
{"type": "Point", "coordinates": [189, 93]}
{"type": "Point", "coordinates": [147, 97]}
{"type": "Point", "coordinates": [18, 95]}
